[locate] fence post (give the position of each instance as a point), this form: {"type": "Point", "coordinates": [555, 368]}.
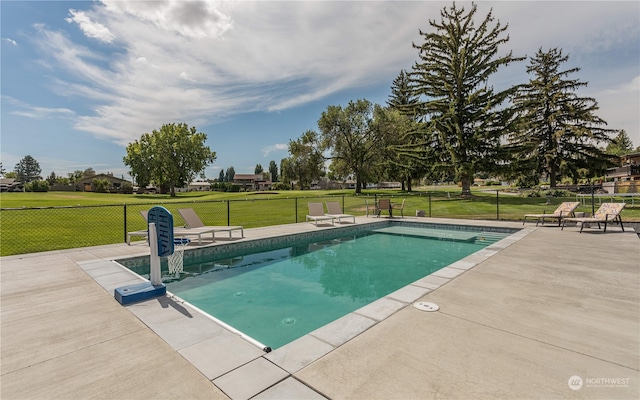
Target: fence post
{"type": "Point", "coordinates": [497, 205]}
{"type": "Point", "coordinates": [228, 212]}
{"type": "Point", "coordinates": [125, 222]}
{"type": "Point", "coordinates": [429, 204]}
{"type": "Point", "coordinates": [296, 199]}
{"type": "Point", "coordinates": [593, 200]}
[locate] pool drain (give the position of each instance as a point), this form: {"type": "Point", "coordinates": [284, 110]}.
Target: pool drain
{"type": "Point", "coordinates": [289, 321]}
{"type": "Point", "coordinates": [426, 306]}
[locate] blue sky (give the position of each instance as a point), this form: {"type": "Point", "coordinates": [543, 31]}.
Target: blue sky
{"type": "Point", "coordinates": [80, 80]}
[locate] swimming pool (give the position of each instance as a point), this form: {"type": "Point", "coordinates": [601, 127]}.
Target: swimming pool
{"type": "Point", "coordinates": [280, 292]}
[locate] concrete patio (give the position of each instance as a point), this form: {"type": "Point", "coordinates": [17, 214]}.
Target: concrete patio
{"type": "Point", "coordinates": [547, 314]}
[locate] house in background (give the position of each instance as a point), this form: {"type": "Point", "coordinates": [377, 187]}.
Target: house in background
{"type": "Point", "coordinates": [10, 185]}
{"type": "Point", "coordinates": [86, 184]}
{"type": "Point", "coordinates": [252, 182]}
{"type": "Point", "coordinates": [626, 177]}
{"type": "Point", "coordinates": [196, 186]}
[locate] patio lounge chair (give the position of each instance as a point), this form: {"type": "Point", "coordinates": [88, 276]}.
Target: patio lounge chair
{"type": "Point", "coordinates": [334, 210]}
{"type": "Point", "coordinates": [400, 207]}
{"type": "Point", "coordinates": [384, 205]}
{"type": "Point", "coordinates": [194, 223]}
{"type": "Point", "coordinates": [564, 210]}
{"type": "Point", "coordinates": [608, 212]}
{"type": "Point", "coordinates": [316, 213]}
{"type": "Point", "coordinates": [177, 231]}
{"type": "Point", "coordinates": [144, 233]}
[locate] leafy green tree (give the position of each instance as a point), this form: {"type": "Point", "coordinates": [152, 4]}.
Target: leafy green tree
{"type": "Point", "coordinates": [88, 173]}
{"type": "Point", "coordinates": [37, 185]}
{"type": "Point", "coordinates": [273, 170]}
{"type": "Point", "coordinates": [75, 176]}
{"type": "Point", "coordinates": [559, 133]}
{"type": "Point", "coordinates": [620, 145]}
{"type": "Point", "coordinates": [2, 171]}
{"type": "Point", "coordinates": [221, 175]}
{"type": "Point", "coordinates": [28, 170]}
{"type": "Point", "coordinates": [52, 178]}
{"type": "Point", "coordinates": [452, 79]}
{"type": "Point", "coordinates": [258, 169]}
{"type": "Point", "coordinates": [354, 139]}
{"type": "Point", "coordinates": [285, 171]}
{"type": "Point", "coordinates": [306, 161]}
{"type": "Point", "coordinates": [231, 172]}
{"type": "Point", "coordinates": [170, 157]}
{"type": "Point", "coordinates": [100, 185]}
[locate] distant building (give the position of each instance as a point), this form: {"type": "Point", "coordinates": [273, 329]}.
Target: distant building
{"type": "Point", "coordinates": [252, 182]}
{"type": "Point", "coordinates": [626, 177]}
{"type": "Point", "coordinates": [86, 184]}
{"type": "Point", "coordinates": [196, 186]}
{"type": "Point", "coordinates": [10, 185]}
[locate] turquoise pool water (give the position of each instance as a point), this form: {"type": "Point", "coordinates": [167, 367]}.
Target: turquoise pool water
{"type": "Point", "coordinates": [279, 295]}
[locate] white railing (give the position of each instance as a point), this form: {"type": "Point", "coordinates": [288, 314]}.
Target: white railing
{"type": "Point", "coordinates": [582, 197]}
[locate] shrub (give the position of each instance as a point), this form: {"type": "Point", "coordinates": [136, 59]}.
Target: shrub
{"type": "Point", "coordinates": [280, 186]}
{"type": "Point", "coordinates": [37, 186]}
{"type": "Point", "coordinates": [100, 185]}
{"type": "Point", "coordinates": [126, 188]}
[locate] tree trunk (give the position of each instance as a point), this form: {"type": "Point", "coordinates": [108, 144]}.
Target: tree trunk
{"type": "Point", "coordinates": [466, 185]}
{"type": "Point", "coordinates": [408, 184]}
{"type": "Point", "coordinates": [358, 184]}
{"type": "Point", "coordinates": [173, 191]}
{"type": "Point", "coordinates": [552, 176]}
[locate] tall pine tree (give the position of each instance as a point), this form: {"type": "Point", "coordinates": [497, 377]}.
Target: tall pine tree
{"type": "Point", "coordinates": [452, 78]}
{"type": "Point", "coordinates": [406, 152]}
{"type": "Point", "coordinates": [559, 133]}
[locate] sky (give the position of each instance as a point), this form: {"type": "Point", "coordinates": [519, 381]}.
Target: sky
{"type": "Point", "coordinates": [81, 80]}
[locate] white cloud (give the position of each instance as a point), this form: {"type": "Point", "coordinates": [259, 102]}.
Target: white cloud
{"type": "Point", "coordinates": [25, 110]}
{"type": "Point", "coordinates": [185, 76]}
{"type": "Point", "coordinates": [89, 28]}
{"type": "Point", "coordinates": [10, 41]}
{"type": "Point", "coordinates": [626, 87]}
{"type": "Point", "coordinates": [204, 60]}
{"type": "Point", "coordinates": [274, 147]}
{"type": "Point", "coordinates": [193, 19]}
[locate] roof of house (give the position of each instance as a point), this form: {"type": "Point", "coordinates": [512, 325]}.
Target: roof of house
{"type": "Point", "coordinates": [110, 178]}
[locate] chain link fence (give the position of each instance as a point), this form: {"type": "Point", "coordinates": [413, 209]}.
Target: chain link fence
{"type": "Point", "coordinates": [29, 230]}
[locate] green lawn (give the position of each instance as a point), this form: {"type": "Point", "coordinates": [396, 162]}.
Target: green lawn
{"type": "Point", "coordinates": [34, 222]}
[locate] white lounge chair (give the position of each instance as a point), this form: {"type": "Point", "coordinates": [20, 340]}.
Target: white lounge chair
{"type": "Point", "coordinates": [177, 231]}
{"type": "Point", "coordinates": [194, 223]}
{"type": "Point", "coordinates": [334, 210]}
{"type": "Point", "coordinates": [316, 213]}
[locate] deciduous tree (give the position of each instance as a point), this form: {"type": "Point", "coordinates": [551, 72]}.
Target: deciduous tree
{"type": "Point", "coordinates": [170, 157]}
{"type": "Point", "coordinates": [306, 161]}
{"type": "Point", "coordinates": [353, 139]}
